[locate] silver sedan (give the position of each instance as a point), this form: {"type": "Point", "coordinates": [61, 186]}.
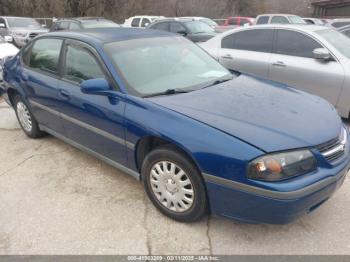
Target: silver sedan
{"type": "Point", "coordinates": [315, 59]}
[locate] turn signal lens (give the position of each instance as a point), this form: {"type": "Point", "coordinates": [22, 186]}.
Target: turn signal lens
{"type": "Point", "coordinates": [282, 166]}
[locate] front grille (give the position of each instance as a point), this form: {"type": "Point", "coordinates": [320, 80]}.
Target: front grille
{"type": "Point", "coordinates": [334, 149]}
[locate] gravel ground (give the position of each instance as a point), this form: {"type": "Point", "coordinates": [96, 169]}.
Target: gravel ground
{"type": "Point", "coordinates": [55, 199]}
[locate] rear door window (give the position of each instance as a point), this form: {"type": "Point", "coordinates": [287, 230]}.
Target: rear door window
{"type": "Point", "coordinates": [45, 55]}
{"type": "Point", "coordinates": [279, 20]}
{"type": "Point", "coordinates": [233, 21]}
{"type": "Point", "coordinates": [262, 20]}
{"type": "Point", "coordinates": [63, 25]}
{"type": "Point", "coordinates": [295, 44]}
{"type": "Point", "coordinates": [136, 22]}
{"type": "Point", "coordinates": [161, 26]}
{"type": "Point", "coordinates": [257, 40]}
{"type": "Point", "coordinates": [74, 26]}
{"type": "Point", "coordinates": [176, 27]}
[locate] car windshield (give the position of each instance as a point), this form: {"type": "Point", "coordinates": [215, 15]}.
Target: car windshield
{"type": "Point", "coordinates": [197, 27]}
{"type": "Point", "coordinates": [155, 65]}
{"type": "Point", "coordinates": [209, 22]}
{"type": "Point", "coordinates": [296, 19]}
{"type": "Point", "coordinates": [99, 24]}
{"type": "Point", "coordinates": [23, 22]}
{"type": "Point", "coordinates": [2, 40]}
{"type": "Point", "coordinates": [338, 40]}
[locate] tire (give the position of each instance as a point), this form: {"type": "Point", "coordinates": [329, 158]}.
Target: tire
{"type": "Point", "coordinates": [26, 119]}
{"type": "Point", "coordinates": [180, 196]}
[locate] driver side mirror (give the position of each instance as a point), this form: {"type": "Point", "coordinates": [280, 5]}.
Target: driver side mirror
{"type": "Point", "coordinates": [182, 32]}
{"type": "Point", "coordinates": [98, 86]}
{"type": "Point", "coordinates": [322, 54]}
{"type": "Point", "coordinates": [2, 25]}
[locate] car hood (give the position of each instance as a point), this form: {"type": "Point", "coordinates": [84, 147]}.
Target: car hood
{"type": "Point", "coordinates": [7, 49]}
{"type": "Point", "coordinates": [265, 114]}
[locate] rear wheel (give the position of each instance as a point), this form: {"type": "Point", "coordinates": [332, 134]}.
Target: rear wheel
{"type": "Point", "coordinates": [174, 185]}
{"type": "Point", "coordinates": [26, 119]}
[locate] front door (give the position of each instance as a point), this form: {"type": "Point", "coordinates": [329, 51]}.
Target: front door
{"type": "Point", "coordinates": [93, 121]}
{"type": "Point", "coordinates": [293, 64]}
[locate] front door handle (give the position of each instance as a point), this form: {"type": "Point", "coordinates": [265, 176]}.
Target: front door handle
{"type": "Point", "coordinates": [279, 64]}
{"type": "Point", "coordinates": [64, 94]}
{"type": "Point", "coordinates": [228, 56]}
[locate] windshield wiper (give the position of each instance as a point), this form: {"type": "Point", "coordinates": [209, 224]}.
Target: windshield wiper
{"type": "Point", "coordinates": [168, 92]}
{"type": "Point", "coordinates": [217, 82]}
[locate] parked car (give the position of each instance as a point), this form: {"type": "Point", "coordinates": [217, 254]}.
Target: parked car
{"type": "Point", "coordinates": [313, 21]}
{"type": "Point", "coordinates": [22, 29]}
{"type": "Point", "coordinates": [279, 19]}
{"type": "Point", "coordinates": [338, 23]}
{"type": "Point", "coordinates": [82, 23]}
{"type": "Point", "coordinates": [205, 20]}
{"type": "Point", "coordinates": [345, 30]}
{"type": "Point", "coordinates": [141, 21]}
{"type": "Point", "coordinates": [233, 22]}
{"type": "Point", "coordinates": [194, 30]}
{"type": "Point", "coordinates": [6, 50]}
{"type": "Point", "coordinates": [315, 59]}
{"type": "Point", "coordinates": [201, 139]}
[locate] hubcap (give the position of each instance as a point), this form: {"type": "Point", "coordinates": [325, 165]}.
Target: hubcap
{"type": "Point", "coordinates": [172, 186]}
{"type": "Point", "coordinates": [24, 117]}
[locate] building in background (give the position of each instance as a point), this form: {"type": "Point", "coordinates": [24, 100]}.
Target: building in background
{"type": "Point", "coordinates": [331, 8]}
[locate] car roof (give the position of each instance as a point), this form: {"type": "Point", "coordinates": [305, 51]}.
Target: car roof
{"type": "Point", "coordinates": [277, 15]}
{"type": "Point", "coordinates": [108, 35]}
{"type": "Point", "coordinates": [81, 19]}
{"type": "Point", "coordinates": [291, 26]}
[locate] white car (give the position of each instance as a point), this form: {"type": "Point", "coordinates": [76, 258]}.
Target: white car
{"type": "Point", "coordinates": [6, 50]}
{"type": "Point", "coordinates": [141, 21]}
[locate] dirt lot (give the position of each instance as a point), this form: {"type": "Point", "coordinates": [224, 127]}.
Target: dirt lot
{"type": "Point", "coordinates": [55, 199]}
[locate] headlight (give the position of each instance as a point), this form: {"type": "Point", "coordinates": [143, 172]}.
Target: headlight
{"type": "Point", "coordinates": [277, 167]}
{"type": "Point", "coordinates": [20, 34]}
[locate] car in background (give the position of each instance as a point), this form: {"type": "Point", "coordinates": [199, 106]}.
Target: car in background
{"type": "Point", "coordinates": [200, 139]}
{"type": "Point", "coordinates": [279, 19]}
{"type": "Point", "coordinates": [339, 22]}
{"type": "Point", "coordinates": [82, 23]}
{"type": "Point", "coordinates": [205, 20]}
{"type": "Point", "coordinates": [21, 29]}
{"type": "Point", "coordinates": [140, 21]}
{"type": "Point", "coordinates": [6, 50]}
{"type": "Point", "coordinates": [315, 59]}
{"type": "Point", "coordinates": [194, 30]}
{"type": "Point", "coordinates": [233, 22]}
{"type": "Point", "coordinates": [345, 30]}
{"type": "Point", "coordinates": [313, 21]}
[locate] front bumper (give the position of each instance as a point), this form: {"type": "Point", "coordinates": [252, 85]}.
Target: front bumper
{"type": "Point", "coordinates": [256, 205]}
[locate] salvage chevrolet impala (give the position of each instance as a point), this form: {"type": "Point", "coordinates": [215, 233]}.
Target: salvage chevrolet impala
{"type": "Point", "coordinates": [200, 138]}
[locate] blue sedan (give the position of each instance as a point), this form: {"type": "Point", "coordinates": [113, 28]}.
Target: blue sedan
{"type": "Point", "coordinates": [200, 138]}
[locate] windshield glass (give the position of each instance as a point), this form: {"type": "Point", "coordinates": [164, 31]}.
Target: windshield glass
{"type": "Point", "coordinates": [155, 65]}
{"type": "Point", "coordinates": [23, 22]}
{"type": "Point", "coordinates": [2, 40]}
{"type": "Point", "coordinates": [99, 24]}
{"type": "Point", "coordinates": [296, 20]}
{"type": "Point", "coordinates": [197, 27]}
{"type": "Point", "coordinates": [338, 40]}
{"type": "Point", "coordinates": [209, 22]}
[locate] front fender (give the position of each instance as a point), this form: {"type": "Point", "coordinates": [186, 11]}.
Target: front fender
{"type": "Point", "coordinates": [213, 151]}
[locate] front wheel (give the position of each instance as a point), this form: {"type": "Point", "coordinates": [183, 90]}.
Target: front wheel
{"type": "Point", "coordinates": [26, 119]}
{"type": "Point", "coordinates": [174, 185]}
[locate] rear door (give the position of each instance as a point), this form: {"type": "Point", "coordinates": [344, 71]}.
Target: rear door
{"type": "Point", "coordinates": [93, 121]}
{"type": "Point", "coordinates": [39, 78]}
{"type": "Point", "coordinates": [293, 64]}
{"type": "Point", "coordinates": [247, 51]}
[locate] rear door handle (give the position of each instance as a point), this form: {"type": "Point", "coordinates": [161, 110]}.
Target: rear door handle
{"type": "Point", "coordinates": [227, 56]}
{"type": "Point", "coordinates": [279, 64]}
{"type": "Point", "coordinates": [64, 94]}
